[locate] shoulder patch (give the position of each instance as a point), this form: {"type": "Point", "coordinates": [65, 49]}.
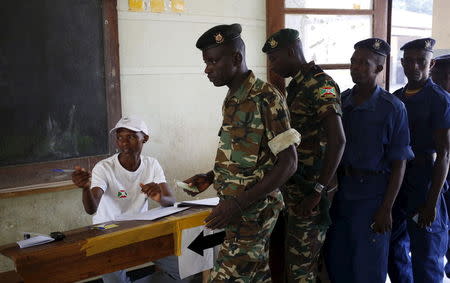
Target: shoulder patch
{"type": "Point", "coordinates": [327, 92]}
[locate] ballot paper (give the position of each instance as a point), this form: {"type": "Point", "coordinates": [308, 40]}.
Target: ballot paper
{"type": "Point", "coordinates": [199, 202]}
{"type": "Point", "coordinates": [34, 241]}
{"type": "Point", "coordinates": [151, 214]}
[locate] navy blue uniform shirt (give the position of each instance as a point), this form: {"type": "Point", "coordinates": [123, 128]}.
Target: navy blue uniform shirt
{"type": "Point", "coordinates": [377, 133]}
{"type": "Point", "coordinates": [428, 110]}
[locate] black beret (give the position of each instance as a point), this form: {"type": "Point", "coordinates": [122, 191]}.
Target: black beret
{"type": "Point", "coordinates": [443, 60]}
{"type": "Point", "coordinates": [421, 43]}
{"type": "Point", "coordinates": [218, 35]}
{"type": "Point", "coordinates": [375, 45]}
{"type": "Point", "coordinates": [280, 39]}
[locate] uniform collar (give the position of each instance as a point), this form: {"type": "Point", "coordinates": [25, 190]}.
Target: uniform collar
{"type": "Point", "coordinates": [300, 76]}
{"type": "Point", "coordinates": [427, 84]}
{"type": "Point", "coordinates": [244, 89]}
{"type": "Point", "coordinates": [368, 105]}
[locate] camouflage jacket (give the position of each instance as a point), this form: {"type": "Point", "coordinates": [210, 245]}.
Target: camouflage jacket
{"type": "Point", "coordinates": [252, 116]}
{"type": "Point", "coordinates": [311, 97]}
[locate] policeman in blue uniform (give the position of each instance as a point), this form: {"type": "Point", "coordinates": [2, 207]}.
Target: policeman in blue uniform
{"type": "Point", "coordinates": [440, 73]}
{"type": "Point", "coordinates": [371, 171]}
{"type": "Point", "coordinates": [421, 198]}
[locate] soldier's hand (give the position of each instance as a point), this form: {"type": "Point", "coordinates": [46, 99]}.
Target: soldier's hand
{"type": "Point", "coordinates": [152, 190]}
{"type": "Point", "coordinates": [200, 181]}
{"type": "Point", "coordinates": [226, 212]}
{"type": "Point", "coordinates": [382, 220]}
{"type": "Point", "coordinates": [307, 205]}
{"type": "Point", "coordinates": [81, 178]}
{"type": "Point", "coordinates": [427, 215]}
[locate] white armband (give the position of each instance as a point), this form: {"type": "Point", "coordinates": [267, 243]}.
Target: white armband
{"type": "Point", "coordinates": [284, 140]}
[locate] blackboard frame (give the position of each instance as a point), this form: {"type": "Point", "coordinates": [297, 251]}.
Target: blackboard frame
{"type": "Point", "coordinates": [37, 177]}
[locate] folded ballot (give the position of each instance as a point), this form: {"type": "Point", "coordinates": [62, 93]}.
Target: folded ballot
{"type": "Point", "coordinates": [34, 241]}
{"type": "Point", "coordinates": [184, 186]}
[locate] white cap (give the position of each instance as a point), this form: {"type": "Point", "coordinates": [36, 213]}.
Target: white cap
{"type": "Point", "coordinates": [131, 123]}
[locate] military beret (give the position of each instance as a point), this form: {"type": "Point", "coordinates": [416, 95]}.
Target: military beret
{"type": "Point", "coordinates": [375, 45]}
{"type": "Point", "coordinates": [421, 43]}
{"type": "Point", "coordinates": [280, 39]}
{"type": "Point", "coordinates": [443, 60]}
{"type": "Point", "coordinates": [218, 35]}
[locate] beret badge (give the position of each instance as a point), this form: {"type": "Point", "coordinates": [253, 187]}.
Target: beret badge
{"type": "Point", "coordinates": [427, 44]}
{"type": "Point", "coordinates": [273, 43]}
{"type": "Point", "coordinates": [219, 38]}
{"type": "Point", "coordinates": [376, 44]}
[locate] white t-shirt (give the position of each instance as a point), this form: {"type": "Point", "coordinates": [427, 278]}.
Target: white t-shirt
{"type": "Point", "coordinates": [122, 191]}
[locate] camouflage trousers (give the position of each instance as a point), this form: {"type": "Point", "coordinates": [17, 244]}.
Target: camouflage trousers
{"type": "Point", "coordinates": [244, 255]}
{"type": "Point", "coordinates": [304, 241]}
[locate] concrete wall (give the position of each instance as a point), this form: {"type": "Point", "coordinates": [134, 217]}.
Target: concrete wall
{"type": "Point", "coordinates": [440, 30]}
{"type": "Point", "coordinates": [162, 81]}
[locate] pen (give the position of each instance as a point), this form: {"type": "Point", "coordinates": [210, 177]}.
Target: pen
{"type": "Point", "coordinates": [64, 170]}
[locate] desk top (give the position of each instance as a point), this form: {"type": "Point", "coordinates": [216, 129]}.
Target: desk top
{"type": "Point", "coordinates": [86, 252]}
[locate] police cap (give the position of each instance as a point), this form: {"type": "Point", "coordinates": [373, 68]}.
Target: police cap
{"type": "Point", "coordinates": [218, 35]}
{"type": "Point", "coordinates": [421, 43]}
{"type": "Point", "coordinates": [443, 60]}
{"type": "Point", "coordinates": [280, 39]}
{"type": "Point", "coordinates": [375, 45]}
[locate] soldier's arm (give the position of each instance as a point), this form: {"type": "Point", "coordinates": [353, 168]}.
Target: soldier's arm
{"type": "Point", "coordinates": [335, 147]}
{"type": "Point", "coordinates": [284, 168]}
{"type": "Point", "coordinates": [228, 209]}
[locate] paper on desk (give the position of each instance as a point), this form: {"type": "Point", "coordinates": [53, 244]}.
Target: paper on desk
{"type": "Point", "coordinates": [34, 241]}
{"type": "Point", "coordinates": [200, 202]}
{"type": "Point", "coordinates": [151, 214]}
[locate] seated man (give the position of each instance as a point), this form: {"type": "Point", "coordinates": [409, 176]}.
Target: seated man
{"type": "Point", "coordinates": [122, 184]}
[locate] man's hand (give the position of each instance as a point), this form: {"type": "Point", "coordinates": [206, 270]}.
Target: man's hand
{"type": "Point", "coordinates": [306, 206]}
{"type": "Point", "coordinates": [427, 214]}
{"type": "Point", "coordinates": [152, 190]}
{"type": "Point", "coordinates": [200, 181]}
{"type": "Point", "coordinates": [382, 220]}
{"type": "Point", "coordinates": [223, 214]}
{"type": "Point", "coordinates": [81, 178]}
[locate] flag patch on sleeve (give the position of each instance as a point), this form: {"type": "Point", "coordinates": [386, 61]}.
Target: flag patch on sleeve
{"type": "Point", "coordinates": [327, 92]}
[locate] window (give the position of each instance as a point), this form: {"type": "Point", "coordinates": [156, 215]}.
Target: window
{"type": "Point", "coordinates": [411, 19]}
{"type": "Point", "coordinates": [328, 30]}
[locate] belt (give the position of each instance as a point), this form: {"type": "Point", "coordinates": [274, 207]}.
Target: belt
{"type": "Point", "coordinates": [350, 171]}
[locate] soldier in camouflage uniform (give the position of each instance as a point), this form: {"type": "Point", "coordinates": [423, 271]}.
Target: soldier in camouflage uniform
{"type": "Point", "coordinates": [255, 156]}
{"type": "Point", "coordinates": [314, 106]}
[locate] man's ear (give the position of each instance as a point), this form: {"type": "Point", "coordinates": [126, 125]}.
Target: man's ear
{"type": "Point", "coordinates": [237, 58]}
{"type": "Point", "coordinates": [146, 138]}
{"type": "Point", "coordinates": [291, 52]}
{"type": "Point", "coordinates": [432, 62]}
{"type": "Point", "coordinates": [379, 69]}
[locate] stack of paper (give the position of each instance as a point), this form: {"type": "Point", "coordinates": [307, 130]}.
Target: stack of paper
{"type": "Point", "coordinates": [151, 214]}
{"type": "Point", "coordinates": [34, 241]}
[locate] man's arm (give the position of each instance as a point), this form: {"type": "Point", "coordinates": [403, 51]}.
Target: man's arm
{"type": "Point", "coordinates": [333, 153]}
{"type": "Point", "coordinates": [283, 169]}
{"type": "Point", "coordinates": [383, 216]}
{"type": "Point", "coordinates": [427, 214]}
{"type": "Point", "coordinates": [160, 193]}
{"type": "Point", "coordinates": [91, 197]}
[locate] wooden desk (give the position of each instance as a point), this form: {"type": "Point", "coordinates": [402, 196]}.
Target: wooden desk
{"type": "Point", "coordinates": [86, 253]}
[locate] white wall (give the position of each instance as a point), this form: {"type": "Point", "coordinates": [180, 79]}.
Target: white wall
{"type": "Point", "coordinates": [162, 81]}
{"type": "Point", "coordinates": [162, 78]}
{"type": "Point", "coordinates": [440, 28]}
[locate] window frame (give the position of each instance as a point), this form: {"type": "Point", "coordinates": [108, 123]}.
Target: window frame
{"type": "Point", "coordinates": [276, 12]}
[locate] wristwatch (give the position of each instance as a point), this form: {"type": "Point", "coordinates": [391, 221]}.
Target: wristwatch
{"type": "Point", "coordinates": [319, 188]}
